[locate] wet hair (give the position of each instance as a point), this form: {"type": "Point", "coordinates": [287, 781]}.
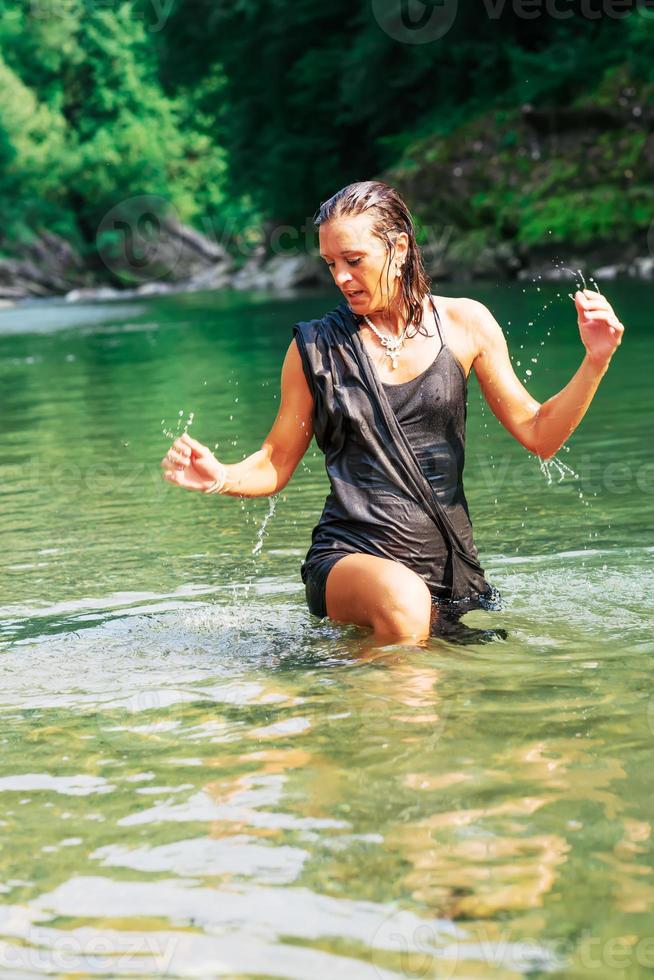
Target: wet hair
{"type": "Point", "coordinates": [390, 217]}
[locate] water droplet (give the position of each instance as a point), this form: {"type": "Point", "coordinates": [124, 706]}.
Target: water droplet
{"type": "Point", "coordinates": [555, 466]}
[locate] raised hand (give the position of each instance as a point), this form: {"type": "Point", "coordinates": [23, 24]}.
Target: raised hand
{"type": "Point", "coordinates": [600, 330]}
{"type": "Point", "coordinates": [191, 465]}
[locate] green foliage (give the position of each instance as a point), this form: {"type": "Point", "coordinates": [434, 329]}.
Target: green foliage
{"type": "Point", "coordinates": [253, 111]}
{"type": "Point", "coordinates": [85, 124]}
{"type": "Point", "coordinates": [586, 217]}
{"type": "Point", "coordinates": [32, 140]}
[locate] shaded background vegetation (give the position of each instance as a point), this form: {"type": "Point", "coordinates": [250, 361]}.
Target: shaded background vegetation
{"type": "Point", "coordinates": [246, 114]}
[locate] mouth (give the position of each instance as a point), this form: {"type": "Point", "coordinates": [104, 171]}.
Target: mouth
{"type": "Point", "coordinates": [354, 295]}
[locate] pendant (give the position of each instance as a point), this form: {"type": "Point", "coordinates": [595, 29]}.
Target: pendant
{"type": "Point", "coordinates": [393, 347]}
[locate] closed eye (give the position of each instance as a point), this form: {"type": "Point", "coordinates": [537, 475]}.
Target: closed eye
{"type": "Point", "coordinates": [330, 265]}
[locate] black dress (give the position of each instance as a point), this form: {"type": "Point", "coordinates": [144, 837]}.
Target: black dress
{"type": "Point", "coordinates": [394, 455]}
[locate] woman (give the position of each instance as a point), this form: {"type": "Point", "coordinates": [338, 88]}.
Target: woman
{"type": "Point", "coordinates": [381, 381]}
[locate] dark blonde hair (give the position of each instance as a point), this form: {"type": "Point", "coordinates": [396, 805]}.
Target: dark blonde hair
{"type": "Point", "coordinates": [391, 216]}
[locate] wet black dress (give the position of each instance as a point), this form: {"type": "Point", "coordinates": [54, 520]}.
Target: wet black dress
{"type": "Point", "coordinates": [394, 456]}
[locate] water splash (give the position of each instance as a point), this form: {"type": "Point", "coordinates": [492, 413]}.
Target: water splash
{"type": "Point", "coordinates": [578, 275]}
{"type": "Point", "coordinates": [527, 373]}
{"type": "Point", "coordinates": [167, 429]}
{"type": "Point", "coordinates": [556, 467]}
{"type": "Point", "coordinates": [272, 502]}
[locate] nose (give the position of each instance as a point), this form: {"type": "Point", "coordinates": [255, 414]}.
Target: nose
{"type": "Point", "coordinates": [343, 277]}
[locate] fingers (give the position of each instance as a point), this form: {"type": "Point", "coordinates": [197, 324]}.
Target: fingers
{"type": "Point", "coordinates": [589, 299]}
{"type": "Point", "coordinates": [180, 462]}
{"type": "Point", "coordinates": [179, 454]}
{"type": "Point", "coordinates": [175, 459]}
{"type": "Point", "coordinates": [594, 306]}
{"type": "Point", "coordinates": [187, 442]}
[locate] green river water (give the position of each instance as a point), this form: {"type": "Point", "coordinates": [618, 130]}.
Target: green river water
{"type": "Point", "coordinates": [198, 779]}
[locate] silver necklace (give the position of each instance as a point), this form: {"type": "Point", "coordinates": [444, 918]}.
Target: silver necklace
{"type": "Point", "coordinates": [393, 345]}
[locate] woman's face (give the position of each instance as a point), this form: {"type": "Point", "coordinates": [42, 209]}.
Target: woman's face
{"type": "Point", "coordinates": [359, 262]}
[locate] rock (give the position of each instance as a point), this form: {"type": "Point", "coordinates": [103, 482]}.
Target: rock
{"type": "Point", "coordinates": [215, 277]}
{"type": "Point", "coordinates": [251, 274]}
{"type": "Point", "coordinates": [156, 289]}
{"type": "Point", "coordinates": [293, 271]}
{"type": "Point", "coordinates": [13, 292]}
{"type": "Point", "coordinates": [98, 292]}
{"type": "Point", "coordinates": [642, 267]}
{"type": "Point", "coordinates": [282, 272]}
{"type": "Point", "coordinates": [608, 271]}
{"type": "Point", "coordinates": [212, 251]}
{"type": "Point", "coordinates": [46, 266]}
{"type": "Point", "coordinates": [135, 251]}
{"type": "Point", "coordinates": [470, 256]}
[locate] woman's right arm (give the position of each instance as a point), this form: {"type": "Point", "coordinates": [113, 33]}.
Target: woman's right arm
{"type": "Point", "coordinates": [193, 466]}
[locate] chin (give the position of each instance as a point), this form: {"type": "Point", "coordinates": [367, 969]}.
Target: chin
{"type": "Point", "coordinates": [358, 306]}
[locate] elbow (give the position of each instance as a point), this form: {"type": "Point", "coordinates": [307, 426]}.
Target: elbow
{"type": "Point", "coordinates": [281, 471]}
{"type": "Point", "coordinates": [529, 439]}
{"type": "Point", "coordinates": [545, 450]}
{"type": "Point", "coordinates": [541, 443]}
{"type": "Point", "coordinates": [545, 454]}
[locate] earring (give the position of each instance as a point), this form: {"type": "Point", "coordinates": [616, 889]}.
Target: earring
{"type": "Point", "coordinates": [398, 271]}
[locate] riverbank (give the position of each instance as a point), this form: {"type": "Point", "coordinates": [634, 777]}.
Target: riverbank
{"type": "Point", "coordinates": [465, 260]}
{"type": "Point", "coordinates": [521, 193]}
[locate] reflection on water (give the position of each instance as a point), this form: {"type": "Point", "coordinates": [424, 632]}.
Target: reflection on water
{"type": "Point", "coordinates": [199, 779]}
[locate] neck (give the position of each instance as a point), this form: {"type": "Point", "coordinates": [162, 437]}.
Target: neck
{"type": "Point", "coordinates": [390, 322]}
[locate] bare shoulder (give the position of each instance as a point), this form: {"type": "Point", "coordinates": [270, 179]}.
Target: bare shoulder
{"type": "Point", "coordinates": [294, 381]}
{"type": "Point", "coordinates": [467, 314]}
{"type": "Point", "coordinates": [469, 326]}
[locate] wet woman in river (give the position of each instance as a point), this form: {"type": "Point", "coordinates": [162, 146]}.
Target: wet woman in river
{"type": "Point", "coordinates": [381, 381]}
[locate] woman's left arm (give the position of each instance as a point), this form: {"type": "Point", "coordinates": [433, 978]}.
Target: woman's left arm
{"type": "Point", "coordinates": [543, 428]}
